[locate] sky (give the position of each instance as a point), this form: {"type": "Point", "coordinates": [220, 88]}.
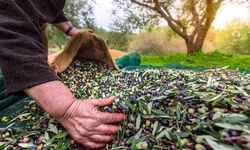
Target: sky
{"type": "Point", "coordinates": [103, 10]}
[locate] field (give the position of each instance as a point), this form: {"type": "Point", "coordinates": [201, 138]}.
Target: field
{"type": "Point", "coordinates": [210, 60]}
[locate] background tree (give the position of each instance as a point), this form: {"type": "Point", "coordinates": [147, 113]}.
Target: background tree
{"type": "Point", "coordinates": [234, 38]}
{"type": "Point", "coordinates": [80, 13]}
{"type": "Point", "coordinates": [190, 19]}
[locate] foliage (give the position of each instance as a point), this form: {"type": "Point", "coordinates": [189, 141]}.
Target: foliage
{"type": "Point", "coordinates": [157, 41]}
{"type": "Point", "coordinates": [134, 17]}
{"type": "Point", "coordinates": [214, 59]}
{"type": "Point", "coordinates": [80, 13]}
{"type": "Point", "coordinates": [234, 38]}
{"type": "Point", "coordinates": [56, 38]}
{"type": "Point", "coordinates": [189, 19]}
{"type": "Point", "coordinates": [115, 39]}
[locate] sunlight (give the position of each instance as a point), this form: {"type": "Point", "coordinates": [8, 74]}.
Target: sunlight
{"type": "Point", "coordinates": [230, 11]}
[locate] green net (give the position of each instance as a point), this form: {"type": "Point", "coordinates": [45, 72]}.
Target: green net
{"type": "Point", "coordinates": [10, 104]}
{"type": "Point", "coordinates": [132, 62]}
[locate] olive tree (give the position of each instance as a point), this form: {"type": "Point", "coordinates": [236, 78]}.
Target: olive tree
{"type": "Point", "coordinates": [190, 19]}
{"type": "Point", "coordinates": [80, 13]}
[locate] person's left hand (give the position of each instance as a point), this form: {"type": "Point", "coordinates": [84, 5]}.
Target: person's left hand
{"type": "Point", "coordinates": [75, 31]}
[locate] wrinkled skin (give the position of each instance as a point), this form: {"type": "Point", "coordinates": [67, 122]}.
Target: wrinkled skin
{"type": "Point", "coordinates": [90, 127]}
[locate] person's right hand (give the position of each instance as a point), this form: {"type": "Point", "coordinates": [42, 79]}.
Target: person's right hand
{"type": "Point", "coordinates": [88, 126]}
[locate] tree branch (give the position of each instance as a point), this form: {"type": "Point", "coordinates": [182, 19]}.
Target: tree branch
{"type": "Point", "coordinates": [173, 23]}
{"type": "Point", "coordinates": [142, 4]}
{"type": "Point", "coordinates": [194, 13]}
{"type": "Point", "coordinates": [209, 16]}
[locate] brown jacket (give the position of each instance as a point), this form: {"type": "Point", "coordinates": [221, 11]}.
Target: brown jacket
{"type": "Point", "coordinates": [23, 55]}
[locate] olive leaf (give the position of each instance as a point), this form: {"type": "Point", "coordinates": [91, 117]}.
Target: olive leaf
{"type": "Point", "coordinates": [138, 121]}
{"type": "Point", "coordinates": [217, 146]}
{"type": "Point", "coordinates": [27, 145]}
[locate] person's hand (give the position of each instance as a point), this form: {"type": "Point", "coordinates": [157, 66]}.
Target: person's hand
{"type": "Point", "coordinates": [88, 126]}
{"type": "Point", "coordinates": [75, 31]}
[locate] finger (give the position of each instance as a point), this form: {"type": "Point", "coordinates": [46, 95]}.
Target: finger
{"type": "Point", "coordinates": [106, 129]}
{"type": "Point", "coordinates": [107, 118]}
{"type": "Point", "coordinates": [91, 31]}
{"type": "Point", "coordinates": [102, 138]}
{"type": "Point", "coordinates": [94, 145]}
{"type": "Point", "coordinates": [103, 102]}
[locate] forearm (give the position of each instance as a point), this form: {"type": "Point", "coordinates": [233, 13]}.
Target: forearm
{"type": "Point", "coordinates": [54, 97]}
{"type": "Point", "coordinates": [63, 26]}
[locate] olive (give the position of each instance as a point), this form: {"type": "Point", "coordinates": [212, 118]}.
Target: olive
{"type": "Point", "coordinates": [25, 140]}
{"type": "Point", "coordinates": [191, 111]}
{"type": "Point", "coordinates": [119, 107]}
{"type": "Point", "coordinates": [240, 141]}
{"type": "Point", "coordinates": [38, 142]}
{"type": "Point", "coordinates": [200, 147]}
{"type": "Point", "coordinates": [110, 110]}
{"type": "Point", "coordinates": [199, 140]}
{"type": "Point", "coordinates": [148, 129]}
{"type": "Point", "coordinates": [7, 134]}
{"type": "Point", "coordinates": [188, 116]}
{"type": "Point", "coordinates": [234, 133]}
{"type": "Point", "coordinates": [164, 122]}
{"type": "Point", "coordinates": [156, 105]}
{"type": "Point", "coordinates": [173, 147]}
{"type": "Point", "coordinates": [202, 111]}
{"type": "Point", "coordinates": [189, 145]}
{"type": "Point", "coordinates": [228, 140]}
{"type": "Point", "coordinates": [130, 125]}
{"type": "Point", "coordinates": [148, 123]}
{"type": "Point", "coordinates": [40, 147]}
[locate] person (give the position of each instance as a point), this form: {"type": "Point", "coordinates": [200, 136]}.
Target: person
{"type": "Point", "coordinates": [23, 62]}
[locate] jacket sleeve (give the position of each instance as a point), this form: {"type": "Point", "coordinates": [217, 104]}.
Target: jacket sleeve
{"type": "Point", "coordinates": [60, 18]}
{"type": "Point", "coordinates": [23, 60]}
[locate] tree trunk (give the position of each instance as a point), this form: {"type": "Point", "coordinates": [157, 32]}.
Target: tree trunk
{"type": "Point", "coordinates": [193, 48]}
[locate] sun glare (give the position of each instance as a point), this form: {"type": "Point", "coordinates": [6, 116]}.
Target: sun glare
{"type": "Point", "coordinates": [229, 12]}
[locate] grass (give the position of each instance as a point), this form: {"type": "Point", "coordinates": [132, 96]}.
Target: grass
{"type": "Point", "coordinates": [210, 60]}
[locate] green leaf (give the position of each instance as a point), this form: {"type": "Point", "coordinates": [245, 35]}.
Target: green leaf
{"type": "Point", "coordinates": [247, 104]}
{"type": "Point", "coordinates": [119, 148]}
{"type": "Point", "coordinates": [46, 136]}
{"type": "Point", "coordinates": [178, 112]}
{"type": "Point", "coordinates": [217, 146]}
{"type": "Point", "coordinates": [215, 98]}
{"type": "Point", "coordinates": [53, 128]}
{"type": "Point", "coordinates": [217, 116]}
{"type": "Point", "coordinates": [135, 139]}
{"type": "Point", "coordinates": [242, 91]}
{"type": "Point", "coordinates": [2, 145]}
{"type": "Point", "coordinates": [162, 134]}
{"type": "Point", "coordinates": [150, 108]}
{"type": "Point", "coordinates": [180, 145]}
{"type": "Point", "coordinates": [20, 116]}
{"type": "Point", "coordinates": [138, 122]}
{"type": "Point", "coordinates": [27, 145]}
{"type": "Point", "coordinates": [155, 127]}
{"type": "Point", "coordinates": [159, 112]}
{"type": "Point", "coordinates": [235, 118]}
{"type": "Point", "coordinates": [207, 137]}
{"type": "Point", "coordinates": [233, 127]}
{"type": "Point", "coordinates": [209, 82]}
{"type": "Point", "coordinates": [159, 98]}
{"type": "Point", "coordinates": [183, 134]}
